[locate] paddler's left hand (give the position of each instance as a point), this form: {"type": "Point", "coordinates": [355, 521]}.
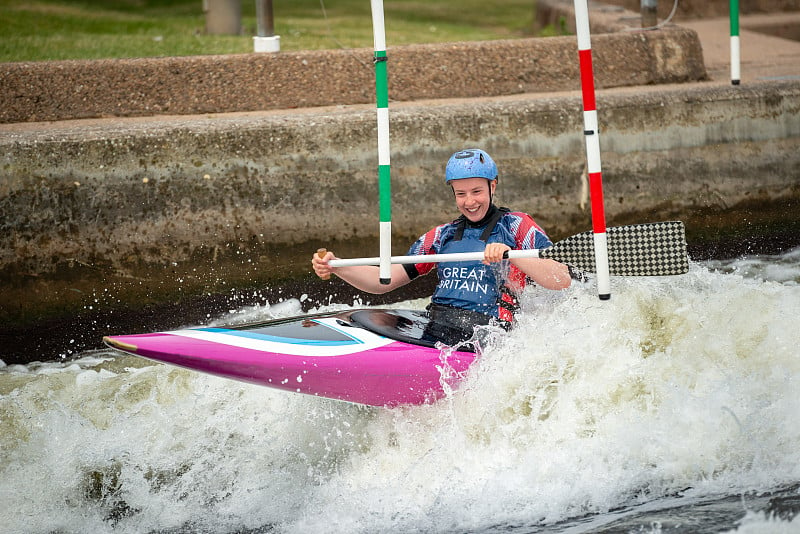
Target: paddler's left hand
{"type": "Point", "coordinates": [494, 252]}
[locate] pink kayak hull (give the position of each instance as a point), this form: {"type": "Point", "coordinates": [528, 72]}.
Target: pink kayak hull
{"type": "Point", "coordinates": [372, 370]}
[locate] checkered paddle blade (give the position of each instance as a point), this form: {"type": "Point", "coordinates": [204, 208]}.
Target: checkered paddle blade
{"type": "Point", "coordinates": [652, 249]}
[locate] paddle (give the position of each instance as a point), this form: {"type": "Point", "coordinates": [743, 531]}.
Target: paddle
{"type": "Point", "coordinates": [650, 249]}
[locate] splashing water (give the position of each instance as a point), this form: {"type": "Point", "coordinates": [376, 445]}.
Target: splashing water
{"type": "Point", "coordinates": [676, 392]}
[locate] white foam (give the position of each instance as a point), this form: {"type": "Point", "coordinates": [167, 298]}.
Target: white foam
{"type": "Point", "coordinates": [679, 382]}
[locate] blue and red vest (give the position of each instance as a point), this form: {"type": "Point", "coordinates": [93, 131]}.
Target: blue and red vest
{"type": "Point", "coordinates": [487, 289]}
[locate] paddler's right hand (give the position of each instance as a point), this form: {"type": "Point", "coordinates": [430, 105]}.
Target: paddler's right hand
{"type": "Point", "coordinates": [319, 261]}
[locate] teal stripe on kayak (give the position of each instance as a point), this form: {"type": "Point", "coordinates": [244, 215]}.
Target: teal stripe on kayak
{"type": "Point", "coordinates": [279, 339]}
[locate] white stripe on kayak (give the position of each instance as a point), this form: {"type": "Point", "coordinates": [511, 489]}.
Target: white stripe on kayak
{"type": "Point", "coordinates": [366, 340]}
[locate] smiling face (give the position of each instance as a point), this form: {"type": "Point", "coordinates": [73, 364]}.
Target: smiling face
{"type": "Point", "coordinates": [473, 197]}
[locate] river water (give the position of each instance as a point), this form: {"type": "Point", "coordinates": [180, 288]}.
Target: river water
{"type": "Point", "coordinates": [673, 407]}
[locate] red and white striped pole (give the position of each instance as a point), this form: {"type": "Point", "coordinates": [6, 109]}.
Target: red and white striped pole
{"type": "Point", "coordinates": [592, 149]}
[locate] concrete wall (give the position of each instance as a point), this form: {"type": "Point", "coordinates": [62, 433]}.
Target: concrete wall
{"type": "Point", "coordinates": [60, 90]}
{"type": "Point", "coordinates": [123, 195]}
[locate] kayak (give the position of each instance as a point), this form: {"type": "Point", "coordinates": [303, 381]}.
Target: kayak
{"type": "Point", "coordinates": [377, 357]}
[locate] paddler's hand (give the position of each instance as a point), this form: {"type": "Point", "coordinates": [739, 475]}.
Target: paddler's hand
{"type": "Point", "coordinates": [494, 252]}
{"type": "Point", "coordinates": [319, 261]}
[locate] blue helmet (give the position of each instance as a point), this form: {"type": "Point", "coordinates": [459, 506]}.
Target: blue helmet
{"type": "Point", "coordinates": [470, 163]}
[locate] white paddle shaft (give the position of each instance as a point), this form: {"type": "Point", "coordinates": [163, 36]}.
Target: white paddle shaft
{"type": "Point", "coordinates": [433, 258]}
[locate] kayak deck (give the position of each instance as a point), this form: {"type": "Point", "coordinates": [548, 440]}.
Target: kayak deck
{"type": "Point", "coordinates": [374, 357]}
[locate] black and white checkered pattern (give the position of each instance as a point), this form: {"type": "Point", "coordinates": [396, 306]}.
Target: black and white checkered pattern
{"type": "Point", "coordinates": [652, 249]}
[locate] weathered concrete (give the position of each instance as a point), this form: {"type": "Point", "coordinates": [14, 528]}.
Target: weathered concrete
{"type": "Point", "coordinates": [61, 90]}
{"type": "Point", "coordinates": [150, 190]}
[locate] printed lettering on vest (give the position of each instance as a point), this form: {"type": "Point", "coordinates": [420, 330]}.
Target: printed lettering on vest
{"type": "Point", "coordinates": [469, 285]}
{"type": "Point", "coordinates": [469, 279]}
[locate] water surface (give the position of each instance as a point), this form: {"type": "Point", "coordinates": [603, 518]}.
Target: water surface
{"type": "Point", "coordinates": [673, 407]}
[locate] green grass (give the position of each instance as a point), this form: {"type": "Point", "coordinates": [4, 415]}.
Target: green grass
{"type": "Point", "coordinates": [36, 30]}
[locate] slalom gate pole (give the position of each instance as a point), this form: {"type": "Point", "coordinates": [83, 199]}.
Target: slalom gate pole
{"type": "Point", "coordinates": [592, 149]}
{"type": "Point", "coordinates": [382, 102]}
{"type": "Point", "coordinates": [735, 51]}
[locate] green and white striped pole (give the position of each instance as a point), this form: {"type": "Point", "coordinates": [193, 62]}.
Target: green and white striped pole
{"type": "Point", "coordinates": [735, 53]}
{"type": "Point", "coordinates": [384, 180]}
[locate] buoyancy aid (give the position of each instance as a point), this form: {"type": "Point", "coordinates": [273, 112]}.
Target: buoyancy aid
{"type": "Point", "coordinates": [472, 285]}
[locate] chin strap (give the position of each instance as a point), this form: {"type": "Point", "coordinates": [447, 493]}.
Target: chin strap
{"type": "Point", "coordinates": [490, 221]}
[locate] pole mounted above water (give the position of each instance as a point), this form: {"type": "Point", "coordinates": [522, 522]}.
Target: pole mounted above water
{"type": "Point", "coordinates": [592, 136]}
{"type": "Point", "coordinates": [384, 174]}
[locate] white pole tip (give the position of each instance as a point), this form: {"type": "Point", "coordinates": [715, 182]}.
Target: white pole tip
{"type": "Point", "coordinates": [267, 44]}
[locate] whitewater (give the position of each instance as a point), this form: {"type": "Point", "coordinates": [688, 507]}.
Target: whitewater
{"type": "Point", "coordinates": [672, 407]}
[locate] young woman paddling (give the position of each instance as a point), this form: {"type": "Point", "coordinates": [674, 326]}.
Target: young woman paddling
{"type": "Point", "coordinates": [473, 292]}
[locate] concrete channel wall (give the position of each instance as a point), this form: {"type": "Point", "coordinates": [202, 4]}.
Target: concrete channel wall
{"type": "Point", "coordinates": [106, 218]}
{"type": "Point", "coordinates": [63, 90]}
{"type": "Point", "coordinates": [150, 190]}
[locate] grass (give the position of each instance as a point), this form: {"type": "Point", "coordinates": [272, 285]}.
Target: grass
{"type": "Point", "coordinates": [36, 30]}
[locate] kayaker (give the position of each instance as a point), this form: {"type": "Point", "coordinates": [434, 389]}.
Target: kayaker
{"type": "Point", "coordinates": [469, 293]}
